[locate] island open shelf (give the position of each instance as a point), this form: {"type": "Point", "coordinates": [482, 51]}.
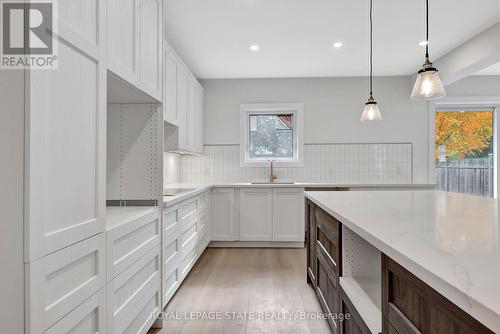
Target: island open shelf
{"type": "Point", "coordinates": [361, 278]}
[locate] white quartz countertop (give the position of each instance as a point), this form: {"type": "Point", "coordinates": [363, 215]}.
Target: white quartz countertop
{"type": "Point", "coordinates": [118, 215]}
{"type": "Point", "coordinates": [196, 188]}
{"type": "Point", "coordinates": [450, 241]}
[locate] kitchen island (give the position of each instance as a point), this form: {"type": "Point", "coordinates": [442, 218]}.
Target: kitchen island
{"type": "Point", "coordinates": [406, 261]}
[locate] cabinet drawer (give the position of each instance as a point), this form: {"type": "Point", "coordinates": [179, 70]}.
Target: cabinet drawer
{"type": "Point", "coordinates": [328, 235]}
{"type": "Point", "coordinates": [203, 219]}
{"type": "Point", "coordinates": [171, 262]}
{"type": "Point", "coordinates": [188, 261]}
{"type": "Point", "coordinates": [327, 289]}
{"type": "Point", "coordinates": [171, 221]}
{"type": "Point", "coordinates": [188, 209]}
{"type": "Point", "coordinates": [61, 281]}
{"type": "Point", "coordinates": [189, 236]}
{"type": "Point", "coordinates": [88, 318]}
{"type": "Point", "coordinates": [411, 306]}
{"type": "Point", "coordinates": [203, 201]}
{"type": "Point", "coordinates": [134, 295]}
{"type": "Point", "coordinates": [128, 242]}
{"type": "Point", "coordinates": [170, 284]}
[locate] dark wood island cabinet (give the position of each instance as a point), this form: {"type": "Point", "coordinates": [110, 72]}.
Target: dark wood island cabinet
{"type": "Point", "coordinates": [404, 303]}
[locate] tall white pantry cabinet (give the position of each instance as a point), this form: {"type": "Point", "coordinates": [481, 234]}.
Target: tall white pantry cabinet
{"type": "Point", "coordinates": [53, 144]}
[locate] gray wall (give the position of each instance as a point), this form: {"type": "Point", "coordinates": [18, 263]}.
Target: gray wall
{"type": "Point", "coordinates": [485, 85]}
{"type": "Point", "coordinates": [332, 109]}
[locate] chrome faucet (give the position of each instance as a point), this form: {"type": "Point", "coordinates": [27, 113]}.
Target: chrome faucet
{"type": "Point", "coordinates": [272, 176]}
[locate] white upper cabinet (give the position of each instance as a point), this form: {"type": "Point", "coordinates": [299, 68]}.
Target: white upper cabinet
{"type": "Point", "coordinates": [200, 106]}
{"type": "Point", "coordinates": [65, 111]}
{"type": "Point", "coordinates": [182, 106]}
{"type": "Point", "coordinates": [151, 46]}
{"type": "Point", "coordinates": [170, 113]}
{"type": "Point", "coordinates": [183, 102]}
{"type": "Point", "coordinates": [135, 43]}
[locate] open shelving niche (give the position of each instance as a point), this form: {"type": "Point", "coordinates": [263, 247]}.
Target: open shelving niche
{"type": "Point", "coordinates": [362, 278]}
{"type": "Point", "coordinates": [134, 154]}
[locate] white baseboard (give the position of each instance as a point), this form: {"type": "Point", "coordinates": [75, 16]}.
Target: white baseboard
{"type": "Point", "coordinates": [257, 244]}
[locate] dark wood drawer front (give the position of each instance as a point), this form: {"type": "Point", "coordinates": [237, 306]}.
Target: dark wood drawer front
{"type": "Point", "coordinates": [355, 324]}
{"type": "Point", "coordinates": [413, 307]}
{"type": "Point", "coordinates": [327, 291]}
{"type": "Point", "coordinates": [388, 329]}
{"type": "Point", "coordinates": [311, 244]}
{"type": "Point", "coordinates": [328, 234]}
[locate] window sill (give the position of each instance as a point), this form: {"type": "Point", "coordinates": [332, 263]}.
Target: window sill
{"type": "Point", "coordinates": [276, 164]}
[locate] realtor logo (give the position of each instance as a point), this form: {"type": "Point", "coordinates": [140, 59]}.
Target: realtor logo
{"type": "Point", "coordinates": [28, 39]}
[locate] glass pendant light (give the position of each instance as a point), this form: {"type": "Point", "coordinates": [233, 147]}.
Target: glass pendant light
{"type": "Point", "coordinates": [371, 111]}
{"type": "Point", "coordinates": [428, 85]}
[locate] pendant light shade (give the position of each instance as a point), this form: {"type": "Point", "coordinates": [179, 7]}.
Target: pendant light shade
{"type": "Point", "coordinates": [428, 85]}
{"type": "Point", "coordinates": [371, 111]}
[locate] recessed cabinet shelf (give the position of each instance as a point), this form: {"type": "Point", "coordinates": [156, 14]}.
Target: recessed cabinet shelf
{"type": "Point", "coordinates": [361, 278]}
{"type": "Point", "coordinates": [365, 295]}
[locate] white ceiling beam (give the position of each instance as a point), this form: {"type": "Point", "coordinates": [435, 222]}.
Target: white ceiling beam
{"type": "Point", "coordinates": [479, 52]}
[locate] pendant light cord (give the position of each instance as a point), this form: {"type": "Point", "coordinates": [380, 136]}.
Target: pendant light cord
{"type": "Point", "coordinates": [371, 48]}
{"type": "Point", "coordinates": [427, 29]}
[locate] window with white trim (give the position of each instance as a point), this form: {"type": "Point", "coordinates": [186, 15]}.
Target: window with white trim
{"type": "Point", "coordinates": [271, 132]}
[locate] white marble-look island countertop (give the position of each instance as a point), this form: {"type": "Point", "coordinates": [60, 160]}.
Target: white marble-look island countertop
{"type": "Point", "coordinates": [449, 241]}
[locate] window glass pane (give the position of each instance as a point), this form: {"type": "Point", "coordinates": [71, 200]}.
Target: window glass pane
{"type": "Point", "coordinates": [464, 152]}
{"type": "Point", "coordinates": [271, 136]}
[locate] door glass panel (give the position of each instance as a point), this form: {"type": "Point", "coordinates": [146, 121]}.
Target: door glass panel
{"type": "Point", "coordinates": [464, 152]}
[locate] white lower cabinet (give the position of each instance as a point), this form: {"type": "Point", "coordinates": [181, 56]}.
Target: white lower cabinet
{"type": "Point", "coordinates": [57, 283]}
{"type": "Point", "coordinates": [128, 242]}
{"type": "Point", "coordinates": [134, 295]}
{"type": "Point", "coordinates": [189, 243]}
{"type": "Point", "coordinates": [256, 219]}
{"type": "Point", "coordinates": [186, 227]}
{"type": "Point", "coordinates": [263, 214]}
{"type": "Point", "coordinates": [171, 271]}
{"type": "Point", "coordinates": [288, 214]}
{"type": "Point", "coordinates": [223, 218]}
{"type": "Point", "coordinates": [88, 318]}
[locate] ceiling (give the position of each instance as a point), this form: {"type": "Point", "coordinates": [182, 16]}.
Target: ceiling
{"type": "Point", "coordinates": [492, 70]}
{"type": "Point", "coordinates": [296, 36]}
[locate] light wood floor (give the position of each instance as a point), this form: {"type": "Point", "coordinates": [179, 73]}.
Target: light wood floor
{"type": "Point", "coordinates": [246, 280]}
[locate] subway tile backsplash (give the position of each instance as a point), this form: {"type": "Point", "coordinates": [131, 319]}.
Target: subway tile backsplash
{"type": "Point", "coordinates": [336, 163]}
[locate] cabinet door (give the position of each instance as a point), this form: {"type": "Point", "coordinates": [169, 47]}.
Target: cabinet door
{"type": "Point", "coordinates": [288, 214]}
{"type": "Point", "coordinates": [256, 207]}
{"type": "Point", "coordinates": [123, 55]}
{"type": "Point", "coordinates": [199, 132]}
{"type": "Point", "coordinates": [65, 123]}
{"type": "Point", "coordinates": [191, 119]}
{"type": "Point", "coordinates": [170, 87]}
{"type": "Point", "coordinates": [150, 12]}
{"type": "Point", "coordinates": [182, 95]}
{"type": "Point", "coordinates": [223, 221]}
